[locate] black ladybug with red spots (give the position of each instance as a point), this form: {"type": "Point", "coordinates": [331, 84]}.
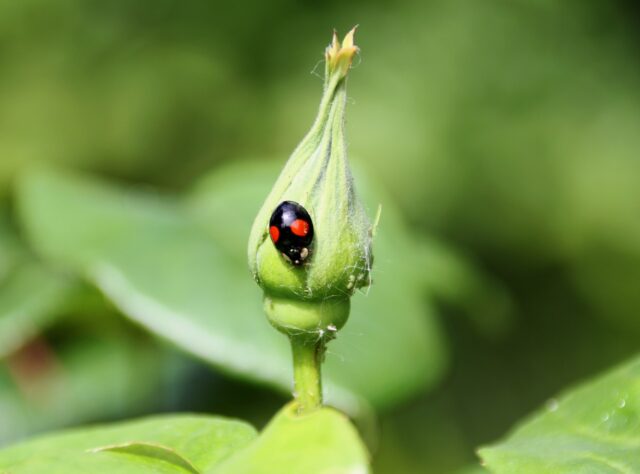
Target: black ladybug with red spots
{"type": "Point", "coordinates": [291, 231]}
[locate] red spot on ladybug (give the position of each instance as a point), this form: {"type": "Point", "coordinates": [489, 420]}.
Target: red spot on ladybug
{"type": "Point", "coordinates": [300, 227]}
{"type": "Point", "coordinates": [291, 231]}
{"type": "Point", "coordinates": [274, 232]}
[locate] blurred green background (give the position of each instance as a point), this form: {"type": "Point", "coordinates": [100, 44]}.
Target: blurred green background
{"type": "Point", "coordinates": [138, 138]}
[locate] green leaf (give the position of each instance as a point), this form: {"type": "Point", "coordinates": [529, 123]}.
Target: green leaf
{"type": "Point", "coordinates": [30, 300]}
{"type": "Point", "coordinates": [594, 428]}
{"type": "Point", "coordinates": [152, 451]}
{"type": "Point", "coordinates": [323, 441]}
{"type": "Point", "coordinates": [164, 444]}
{"type": "Point", "coordinates": [185, 279]}
{"type": "Point", "coordinates": [158, 268]}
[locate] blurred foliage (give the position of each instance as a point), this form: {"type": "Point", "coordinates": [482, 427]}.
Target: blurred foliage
{"type": "Point", "coordinates": [24, 314]}
{"type": "Point", "coordinates": [508, 130]}
{"type": "Point", "coordinates": [86, 378]}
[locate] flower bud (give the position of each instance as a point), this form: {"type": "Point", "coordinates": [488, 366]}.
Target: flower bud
{"type": "Point", "coordinates": [313, 294]}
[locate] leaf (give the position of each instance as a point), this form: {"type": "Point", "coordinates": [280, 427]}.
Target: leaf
{"type": "Point", "coordinates": [158, 268]}
{"type": "Point", "coordinates": [30, 300]}
{"type": "Point", "coordinates": [185, 278]}
{"type": "Point", "coordinates": [153, 451]}
{"type": "Point", "coordinates": [593, 428]}
{"type": "Point", "coordinates": [390, 324]}
{"type": "Point", "coordinates": [321, 442]}
{"type": "Point", "coordinates": [196, 441]}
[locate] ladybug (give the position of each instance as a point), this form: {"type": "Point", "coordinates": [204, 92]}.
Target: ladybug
{"type": "Point", "coordinates": [291, 231]}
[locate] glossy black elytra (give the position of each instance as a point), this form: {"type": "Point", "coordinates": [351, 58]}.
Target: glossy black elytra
{"type": "Point", "coordinates": [291, 231]}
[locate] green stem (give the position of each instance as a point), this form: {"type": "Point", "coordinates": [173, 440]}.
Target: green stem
{"type": "Point", "coordinates": [307, 357]}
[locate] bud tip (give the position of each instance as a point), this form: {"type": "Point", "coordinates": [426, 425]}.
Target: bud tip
{"type": "Point", "coordinates": [339, 56]}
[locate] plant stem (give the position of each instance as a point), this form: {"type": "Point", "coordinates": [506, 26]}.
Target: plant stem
{"type": "Point", "coordinates": [307, 357]}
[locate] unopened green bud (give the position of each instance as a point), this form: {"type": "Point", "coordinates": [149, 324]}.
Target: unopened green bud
{"type": "Point", "coordinates": [313, 295]}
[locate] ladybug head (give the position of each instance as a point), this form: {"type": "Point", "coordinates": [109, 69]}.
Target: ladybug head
{"type": "Point", "coordinates": [296, 255]}
{"type": "Point", "coordinates": [293, 254]}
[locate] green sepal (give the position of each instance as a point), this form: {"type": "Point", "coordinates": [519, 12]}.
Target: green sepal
{"type": "Point", "coordinates": [317, 319]}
